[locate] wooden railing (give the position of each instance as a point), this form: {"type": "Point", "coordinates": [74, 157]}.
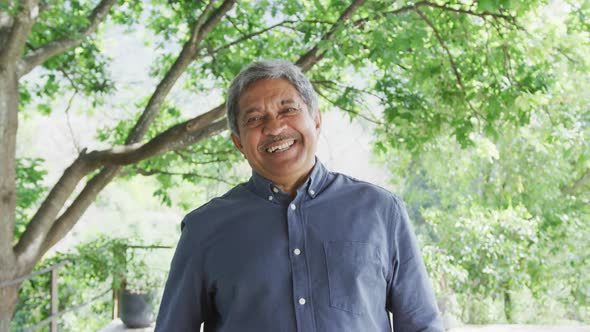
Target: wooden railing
{"type": "Point", "coordinates": [54, 313]}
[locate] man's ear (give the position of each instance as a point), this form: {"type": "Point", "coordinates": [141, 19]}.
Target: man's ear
{"type": "Point", "coordinates": [237, 142]}
{"type": "Point", "coordinates": [317, 118]}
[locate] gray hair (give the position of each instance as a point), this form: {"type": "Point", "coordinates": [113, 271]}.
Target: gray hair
{"type": "Point", "coordinates": [268, 69]}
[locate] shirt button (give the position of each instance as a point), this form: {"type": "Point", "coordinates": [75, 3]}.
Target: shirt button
{"type": "Point", "coordinates": [302, 301]}
{"type": "Point", "coordinates": [275, 189]}
{"type": "Point", "coordinates": [293, 207]}
{"type": "Point", "coordinates": [270, 198]}
{"type": "Point", "coordinates": [311, 192]}
{"type": "Point", "coordinates": [297, 252]}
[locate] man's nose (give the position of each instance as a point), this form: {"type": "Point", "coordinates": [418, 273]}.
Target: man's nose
{"type": "Point", "coordinates": [274, 126]}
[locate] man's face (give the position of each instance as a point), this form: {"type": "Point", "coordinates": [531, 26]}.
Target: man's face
{"type": "Point", "coordinates": [278, 135]}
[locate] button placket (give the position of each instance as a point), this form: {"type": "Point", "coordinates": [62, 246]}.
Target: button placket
{"type": "Point", "coordinates": [300, 271]}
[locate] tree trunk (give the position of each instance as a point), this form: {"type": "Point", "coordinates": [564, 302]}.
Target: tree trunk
{"type": "Point", "coordinates": [8, 296]}
{"type": "Point", "coordinates": [508, 306]}
{"type": "Point", "coordinates": [8, 127]}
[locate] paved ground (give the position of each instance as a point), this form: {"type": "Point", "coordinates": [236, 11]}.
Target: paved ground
{"type": "Point", "coordinates": [520, 328]}
{"type": "Point", "coordinates": [117, 326]}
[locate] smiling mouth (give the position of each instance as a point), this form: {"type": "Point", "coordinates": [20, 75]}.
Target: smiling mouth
{"type": "Point", "coordinates": [280, 147]}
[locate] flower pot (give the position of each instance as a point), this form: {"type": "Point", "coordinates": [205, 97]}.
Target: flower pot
{"type": "Point", "coordinates": [137, 308]}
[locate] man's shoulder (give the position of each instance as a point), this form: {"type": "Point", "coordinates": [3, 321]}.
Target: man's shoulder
{"type": "Point", "coordinates": [356, 186]}
{"type": "Point", "coordinates": [217, 207]}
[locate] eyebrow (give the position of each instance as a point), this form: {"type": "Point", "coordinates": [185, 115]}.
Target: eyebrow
{"type": "Point", "coordinates": [289, 102]}
{"type": "Point", "coordinates": [283, 103]}
{"type": "Point", "coordinates": [249, 110]}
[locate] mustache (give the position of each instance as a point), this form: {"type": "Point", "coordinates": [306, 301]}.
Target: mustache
{"type": "Point", "coordinates": [277, 138]}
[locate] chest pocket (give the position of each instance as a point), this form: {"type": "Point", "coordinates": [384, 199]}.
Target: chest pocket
{"type": "Point", "coordinates": [355, 276]}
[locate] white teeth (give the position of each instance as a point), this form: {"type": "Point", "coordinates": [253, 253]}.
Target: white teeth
{"type": "Point", "coordinates": [280, 147]}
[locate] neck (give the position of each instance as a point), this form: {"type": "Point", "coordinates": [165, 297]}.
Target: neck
{"type": "Point", "coordinates": [290, 185]}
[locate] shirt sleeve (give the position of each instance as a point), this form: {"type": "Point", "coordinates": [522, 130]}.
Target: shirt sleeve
{"type": "Point", "coordinates": [184, 303]}
{"type": "Point", "coordinates": [410, 297]}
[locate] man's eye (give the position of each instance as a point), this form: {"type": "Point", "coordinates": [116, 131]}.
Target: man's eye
{"type": "Point", "coordinates": [291, 110]}
{"type": "Point", "coordinates": [253, 119]}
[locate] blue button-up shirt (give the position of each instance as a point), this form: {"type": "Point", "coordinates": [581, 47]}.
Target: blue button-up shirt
{"type": "Point", "coordinates": [336, 258]}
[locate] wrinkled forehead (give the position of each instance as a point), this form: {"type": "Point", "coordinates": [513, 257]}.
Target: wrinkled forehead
{"type": "Point", "coordinates": [269, 91]}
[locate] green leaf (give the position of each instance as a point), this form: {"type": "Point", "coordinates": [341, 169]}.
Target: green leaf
{"type": "Point", "coordinates": [44, 109]}
{"type": "Point", "coordinates": [487, 5]}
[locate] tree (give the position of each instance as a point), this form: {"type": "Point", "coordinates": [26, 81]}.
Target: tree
{"type": "Point", "coordinates": [510, 212]}
{"type": "Point", "coordinates": [421, 61]}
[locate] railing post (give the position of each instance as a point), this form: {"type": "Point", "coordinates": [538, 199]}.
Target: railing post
{"type": "Point", "coordinates": [54, 299]}
{"type": "Point", "coordinates": [116, 304]}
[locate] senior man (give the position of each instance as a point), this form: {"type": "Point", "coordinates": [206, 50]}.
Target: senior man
{"type": "Point", "coordinates": [297, 247]}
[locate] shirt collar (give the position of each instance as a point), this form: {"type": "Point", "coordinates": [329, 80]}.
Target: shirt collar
{"type": "Point", "coordinates": [312, 187]}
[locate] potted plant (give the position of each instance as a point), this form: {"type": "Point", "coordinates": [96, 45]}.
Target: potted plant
{"type": "Point", "coordinates": [138, 293]}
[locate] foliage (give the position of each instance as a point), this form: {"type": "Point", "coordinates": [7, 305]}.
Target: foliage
{"type": "Point", "coordinates": [491, 225]}
{"type": "Point", "coordinates": [498, 213]}
{"type": "Point", "coordinates": [493, 246]}
{"type": "Point", "coordinates": [30, 189]}
{"type": "Point", "coordinates": [508, 214]}
{"type": "Point", "coordinates": [141, 270]}
{"type": "Point", "coordinates": [207, 163]}
{"type": "Point", "coordinates": [89, 272]}
{"type": "Point", "coordinates": [94, 267]}
{"type": "Point", "coordinates": [139, 279]}
{"type": "Point", "coordinates": [431, 77]}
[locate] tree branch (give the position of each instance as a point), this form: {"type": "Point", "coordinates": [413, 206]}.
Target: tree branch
{"type": "Point", "coordinates": [451, 61]}
{"type": "Point", "coordinates": [249, 36]}
{"type": "Point", "coordinates": [29, 245]}
{"type": "Point", "coordinates": [175, 138]}
{"type": "Point", "coordinates": [68, 219]}
{"type": "Point", "coordinates": [200, 30]}
{"type": "Point", "coordinates": [42, 54]}
{"type": "Point", "coordinates": [257, 33]}
{"type": "Point", "coordinates": [447, 8]}
{"type": "Point", "coordinates": [19, 31]}
{"type": "Point", "coordinates": [67, 114]}
{"type": "Point", "coordinates": [327, 83]}
{"type": "Point", "coordinates": [192, 160]}
{"type": "Point", "coordinates": [484, 14]}
{"type": "Point", "coordinates": [314, 55]}
{"type": "Point", "coordinates": [402, 10]}
{"type": "Point", "coordinates": [348, 110]}
{"type": "Point", "coordinates": [146, 172]}
{"type": "Point", "coordinates": [579, 183]}
{"type": "Point", "coordinates": [233, 24]}
{"type": "Point", "coordinates": [68, 107]}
